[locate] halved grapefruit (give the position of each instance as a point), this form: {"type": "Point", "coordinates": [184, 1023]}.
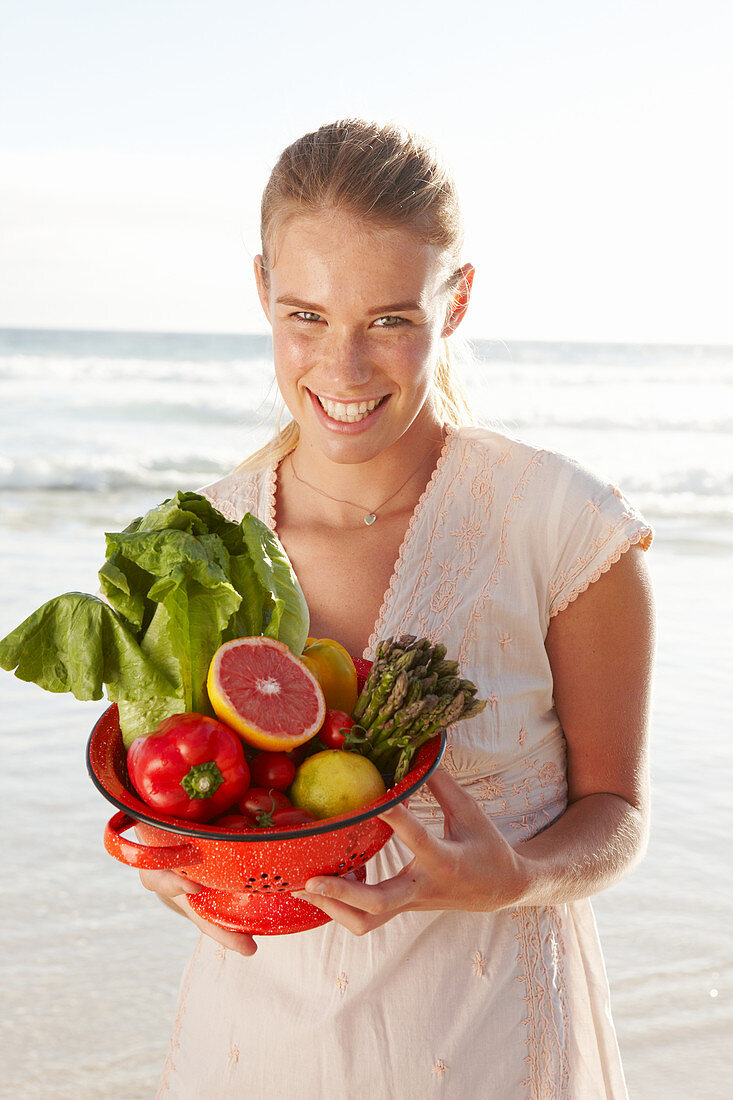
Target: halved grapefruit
{"type": "Point", "coordinates": [261, 690]}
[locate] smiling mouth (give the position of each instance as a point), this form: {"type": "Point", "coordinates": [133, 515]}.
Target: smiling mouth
{"type": "Point", "coordinates": [352, 412]}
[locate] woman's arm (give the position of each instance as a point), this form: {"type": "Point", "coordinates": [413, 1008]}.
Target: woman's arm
{"type": "Point", "coordinates": [600, 650]}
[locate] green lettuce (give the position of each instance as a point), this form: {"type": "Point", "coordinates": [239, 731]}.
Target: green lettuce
{"type": "Point", "coordinates": [176, 584]}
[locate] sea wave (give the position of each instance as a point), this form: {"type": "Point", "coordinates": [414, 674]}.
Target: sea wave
{"type": "Point", "coordinates": [623, 422]}
{"type": "Point", "coordinates": [86, 474]}
{"type": "Point", "coordinates": [30, 368]}
{"type": "Point", "coordinates": [695, 492]}
{"type": "Point", "coordinates": [696, 481]}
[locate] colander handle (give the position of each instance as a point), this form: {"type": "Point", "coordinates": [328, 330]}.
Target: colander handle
{"type": "Point", "coordinates": [142, 856]}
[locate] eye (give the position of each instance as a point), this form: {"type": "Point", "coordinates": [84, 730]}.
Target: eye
{"type": "Point", "coordinates": [307, 317]}
{"type": "Point", "coordinates": [391, 322]}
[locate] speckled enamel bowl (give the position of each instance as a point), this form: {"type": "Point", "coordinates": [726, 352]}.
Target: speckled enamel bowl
{"type": "Point", "coordinates": [248, 875]}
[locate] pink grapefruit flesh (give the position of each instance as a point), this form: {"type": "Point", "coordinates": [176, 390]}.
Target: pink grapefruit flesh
{"type": "Point", "coordinates": [263, 692]}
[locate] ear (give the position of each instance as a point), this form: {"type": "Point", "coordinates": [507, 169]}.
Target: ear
{"type": "Point", "coordinates": [263, 289]}
{"type": "Point", "coordinates": [459, 300]}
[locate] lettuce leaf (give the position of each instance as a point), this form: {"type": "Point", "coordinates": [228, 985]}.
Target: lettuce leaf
{"type": "Point", "coordinates": [77, 643]}
{"type": "Point", "coordinates": [176, 584]}
{"type": "Point", "coordinates": [289, 618]}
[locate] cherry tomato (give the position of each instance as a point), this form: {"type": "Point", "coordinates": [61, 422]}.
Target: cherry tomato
{"type": "Point", "coordinates": [298, 753]}
{"type": "Point", "coordinates": [336, 725]}
{"type": "Point", "coordinates": [233, 823]}
{"type": "Point", "coordinates": [334, 669]}
{"type": "Point", "coordinates": [363, 668]}
{"type": "Point", "coordinates": [292, 817]}
{"type": "Point", "coordinates": [272, 770]}
{"type": "Point", "coordinates": [261, 800]}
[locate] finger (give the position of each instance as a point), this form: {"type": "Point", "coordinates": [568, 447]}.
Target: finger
{"type": "Point", "coordinates": [387, 897]}
{"type": "Point", "coordinates": [459, 807]}
{"type": "Point", "coordinates": [353, 920]}
{"type": "Point", "coordinates": [241, 942]}
{"type": "Point", "coordinates": [421, 842]}
{"type": "Point", "coordinates": [168, 883]}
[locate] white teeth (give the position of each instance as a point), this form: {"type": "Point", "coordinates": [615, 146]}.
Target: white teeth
{"type": "Point", "coordinates": [351, 413]}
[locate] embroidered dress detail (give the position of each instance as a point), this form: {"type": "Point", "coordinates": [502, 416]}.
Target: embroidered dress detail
{"type": "Point", "coordinates": [479, 962]}
{"type": "Point", "coordinates": [512, 1005]}
{"type": "Point", "coordinates": [378, 631]}
{"type": "Point", "coordinates": [642, 537]}
{"type": "Point", "coordinates": [541, 974]}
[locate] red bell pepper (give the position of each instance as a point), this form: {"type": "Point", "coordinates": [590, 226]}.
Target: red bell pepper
{"type": "Point", "coordinates": [191, 767]}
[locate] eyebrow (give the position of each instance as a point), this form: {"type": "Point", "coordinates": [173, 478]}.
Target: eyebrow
{"type": "Point", "coordinates": [393, 307]}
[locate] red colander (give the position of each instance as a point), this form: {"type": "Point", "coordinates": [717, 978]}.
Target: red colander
{"type": "Point", "coordinates": [248, 876]}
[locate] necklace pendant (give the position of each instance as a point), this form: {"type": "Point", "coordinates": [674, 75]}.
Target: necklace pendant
{"type": "Point", "coordinates": [369, 520]}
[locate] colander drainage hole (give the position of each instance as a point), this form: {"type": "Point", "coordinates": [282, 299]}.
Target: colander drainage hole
{"type": "Point", "coordinates": [277, 878]}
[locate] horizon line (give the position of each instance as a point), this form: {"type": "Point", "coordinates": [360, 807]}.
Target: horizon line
{"type": "Point", "coordinates": [502, 340]}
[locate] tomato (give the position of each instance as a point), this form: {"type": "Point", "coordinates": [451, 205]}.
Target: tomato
{"type": "Point", "coordinates": [292, 817]}
{"type": "Point", "coordinates": [272, 769]}
{"type": "Point", "coordinates": [233, 823]}
{"type": "Point", "coordinates": [262, 807]}
{"type": "Point", "coordinates": [363, 668]}
{"type": "Point", "coordinates": [334, 732]}
{"type": "Point", "coordinates": [334, 669]}
{"type": "Point", "coordinates": [191, 766]}
{"type": "Point", "coordinates": [260, 800]}
{"type": "Point", "coordinates": [278, 818]}
{"type": "Point", "coordinates": [297, 754]}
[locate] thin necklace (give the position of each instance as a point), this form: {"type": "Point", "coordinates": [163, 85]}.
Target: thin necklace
{"type": "Point", "coordinates": [370, 517]}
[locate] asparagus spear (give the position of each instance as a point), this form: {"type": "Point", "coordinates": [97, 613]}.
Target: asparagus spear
{"type": "Point", "coordinates": [411, 693]}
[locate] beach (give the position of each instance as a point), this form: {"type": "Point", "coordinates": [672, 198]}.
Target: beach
{"type": "Point", "coordinates": [99, 427]}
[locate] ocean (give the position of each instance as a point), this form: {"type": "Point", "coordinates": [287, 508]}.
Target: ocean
{"type": "Point", "coordinates": [95, 428]}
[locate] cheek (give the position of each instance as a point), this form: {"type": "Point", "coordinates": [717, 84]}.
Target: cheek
{"type": "Point", "coordinates": [292, 356]}
{"type": "Point", "coordinates": [414, 363]}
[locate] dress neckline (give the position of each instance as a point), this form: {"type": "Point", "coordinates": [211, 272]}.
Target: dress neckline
{"type": "Point", "coordinates": [271, 502]}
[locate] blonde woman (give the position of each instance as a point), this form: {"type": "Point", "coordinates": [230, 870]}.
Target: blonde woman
{"type": "Point", "coordinates": [468, 964]}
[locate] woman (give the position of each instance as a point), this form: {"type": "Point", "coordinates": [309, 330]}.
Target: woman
{"type": "Point", "coordinates": [468, 964]}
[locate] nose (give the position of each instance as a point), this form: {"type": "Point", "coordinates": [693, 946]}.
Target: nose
{"type": "Point", "coordinates": [347, 360]}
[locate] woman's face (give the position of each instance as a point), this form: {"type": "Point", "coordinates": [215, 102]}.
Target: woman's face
{"type": "Point", "coordinates": [357, 313]}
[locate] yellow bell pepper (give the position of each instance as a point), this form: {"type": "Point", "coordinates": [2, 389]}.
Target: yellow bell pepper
{"type": "Point", "coordinates": [334, 669]}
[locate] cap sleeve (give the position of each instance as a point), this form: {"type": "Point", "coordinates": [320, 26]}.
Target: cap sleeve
{"type": "Point", "coordinates": [594, 524]}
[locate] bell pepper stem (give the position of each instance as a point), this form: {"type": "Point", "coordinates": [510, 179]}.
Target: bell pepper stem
{"type": "Point", "coordinates": [203, 780]}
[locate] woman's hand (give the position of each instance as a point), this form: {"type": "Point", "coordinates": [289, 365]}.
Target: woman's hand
{"type": "Point", "coordinates": [172, 889]}
{"type": "Point", "coordinates": [471, 867]}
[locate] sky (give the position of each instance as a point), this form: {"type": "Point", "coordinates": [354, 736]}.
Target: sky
{"type": "Point", "coordinates": [590, 140]}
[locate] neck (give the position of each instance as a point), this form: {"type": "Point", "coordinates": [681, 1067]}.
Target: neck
{"type": "Point", "coordinates": [347, 493]}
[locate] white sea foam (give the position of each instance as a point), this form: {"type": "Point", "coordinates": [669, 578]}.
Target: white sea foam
{"type": "Point", "coordinates": [104, 475]}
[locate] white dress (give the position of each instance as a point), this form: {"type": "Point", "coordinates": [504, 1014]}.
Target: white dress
{"type": "Point", "coordinates": [511, 1005]}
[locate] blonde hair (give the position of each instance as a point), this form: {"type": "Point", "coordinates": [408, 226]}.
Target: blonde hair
{"type": "Point", "coordinates": [392, 178]}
